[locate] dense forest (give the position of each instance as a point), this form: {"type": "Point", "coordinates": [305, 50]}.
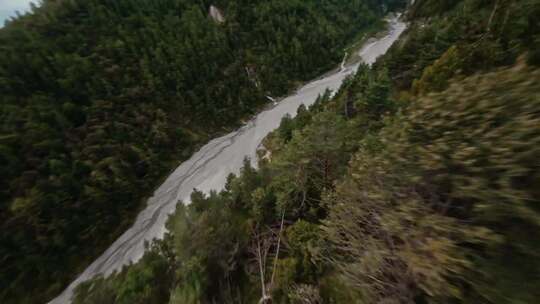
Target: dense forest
{"type": "Point", "coordinates": [417, 182]}
{"type": "Point", "coordinates": [99, 99]}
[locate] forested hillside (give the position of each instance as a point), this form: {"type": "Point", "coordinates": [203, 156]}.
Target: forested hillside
{"type": "Point", "coordinates": [418, 182]}
{"type": "Point", "coordinates": [99, 99]}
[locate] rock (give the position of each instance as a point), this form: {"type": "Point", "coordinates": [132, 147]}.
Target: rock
{"type": "Point", "coordinates": [216, 14]}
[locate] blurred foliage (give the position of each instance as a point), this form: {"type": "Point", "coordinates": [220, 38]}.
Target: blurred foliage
{"type": "Point", "coordinates": [476, 145]}
{"type": "Point", "coordinates": [438, 208]}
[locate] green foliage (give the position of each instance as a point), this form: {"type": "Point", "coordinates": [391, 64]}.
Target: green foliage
{"type": "Point", "coordinates": [149, 281]}
{"type": "Point", "coordinates": [374, 99]}
{"type": "Point", "coordinates": [304, 240]}
{"type": "Point", "coordinates": [314, 155]}
{"type": "Point", "coordinates": [436, 76]}
{"type": "Point", "coordinates": [427, 8]}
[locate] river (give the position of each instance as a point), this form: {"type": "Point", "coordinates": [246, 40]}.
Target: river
{"type": "Point", "coordinates": [208, 168]}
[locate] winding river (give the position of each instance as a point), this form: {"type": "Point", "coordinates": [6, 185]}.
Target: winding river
{"type": "Point", "coordinates": [208, 168]}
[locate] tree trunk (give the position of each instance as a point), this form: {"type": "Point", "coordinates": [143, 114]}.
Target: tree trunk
{"type": "Point", "coordinates": [492, 15]}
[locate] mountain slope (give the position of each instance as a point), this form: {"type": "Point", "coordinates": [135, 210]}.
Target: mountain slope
{"type": "Point", "coordinates": [416, 183]}
{"type": "Point", "coordinates": [100, 98]}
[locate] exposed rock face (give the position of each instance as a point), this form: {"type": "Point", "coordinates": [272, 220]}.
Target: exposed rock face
{"type": "Point", "coordinates": [252, 75]}
{"type": "Point", "coordinates": [216, 14]}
